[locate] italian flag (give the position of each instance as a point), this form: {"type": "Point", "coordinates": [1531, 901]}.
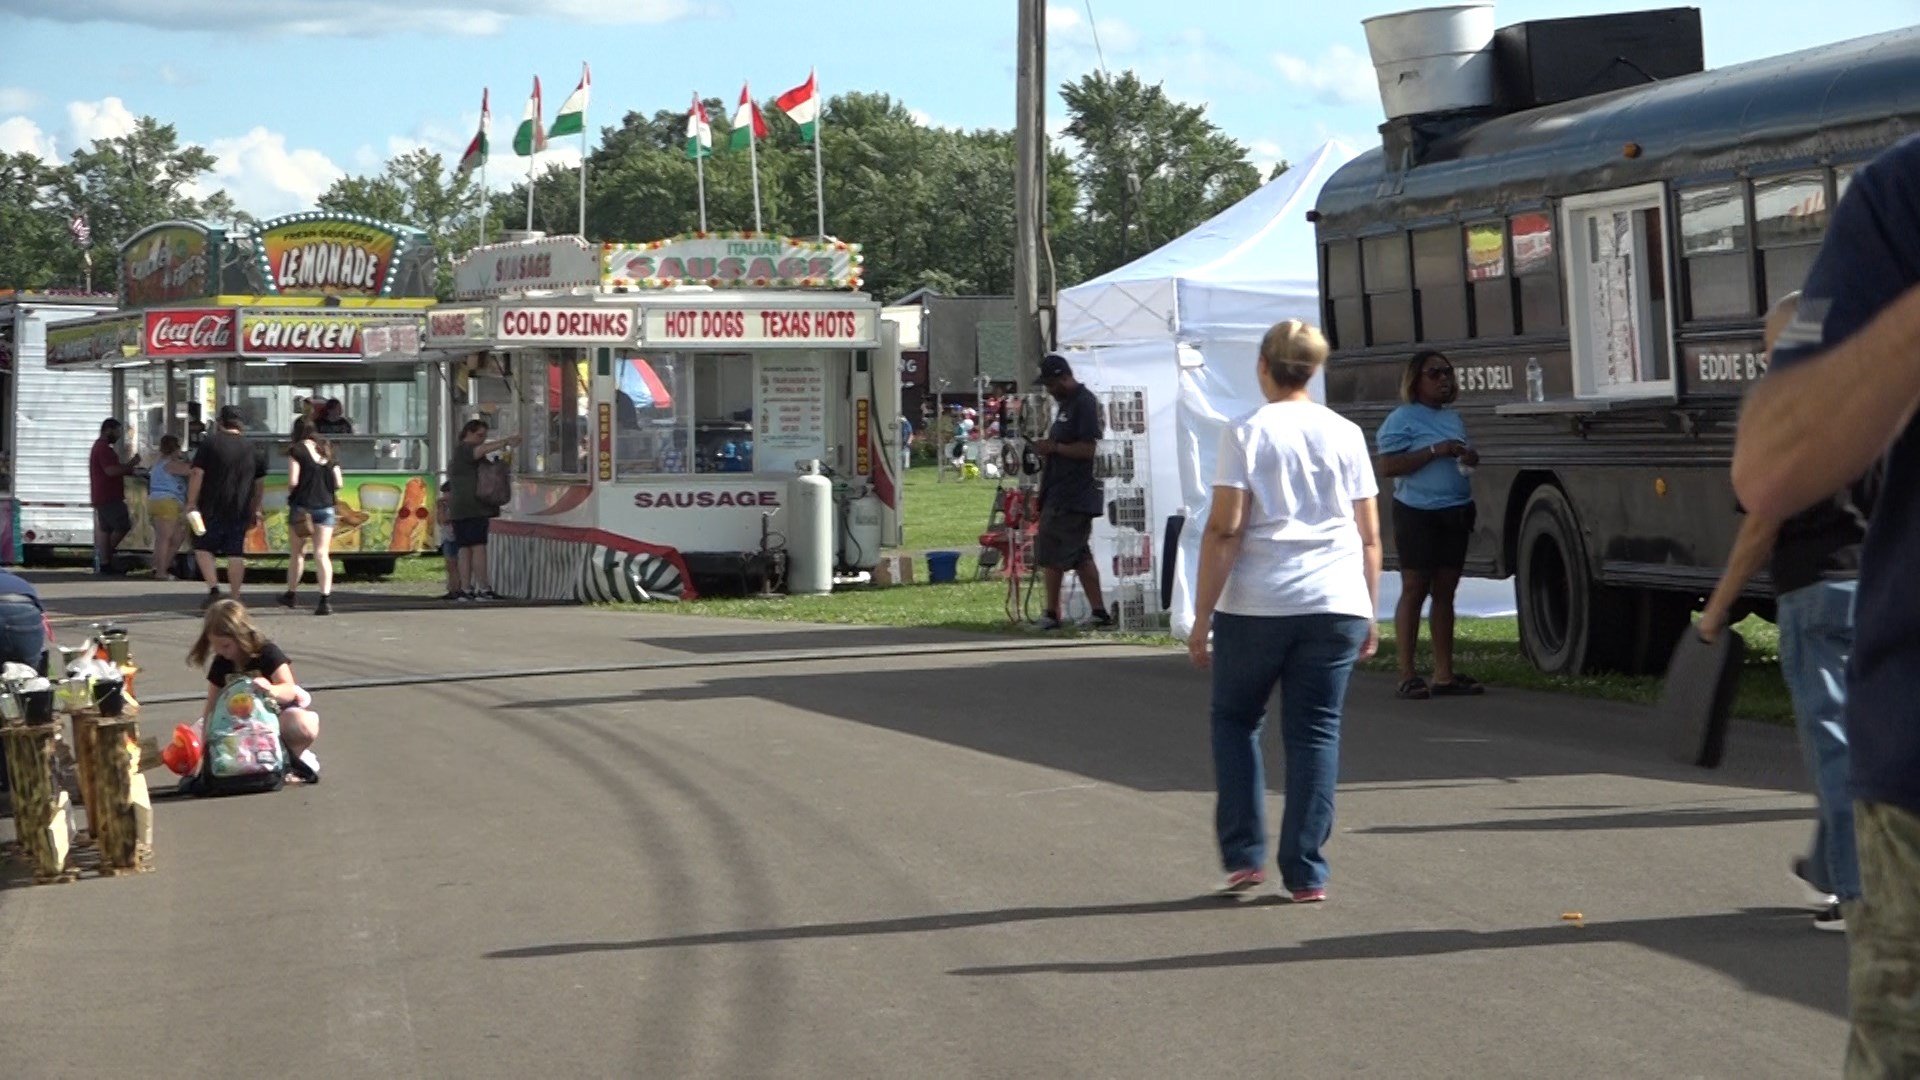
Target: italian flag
{"type": "Point", "coordinates": [530, 139]}
{"type": "Point", "coordinates": [699, 132]}
{"type": "Point", "coordinates": [802, 106]}
{"type": "Point", "coordinates": [748, 125]}
{"type": "Point", "coordinates": [572, 117]}
{"type": "Point", "coordinates": [476, 154]}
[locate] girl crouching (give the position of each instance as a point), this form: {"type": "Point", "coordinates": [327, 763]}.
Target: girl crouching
{"type": "Point", "coordinates": [236, 645]}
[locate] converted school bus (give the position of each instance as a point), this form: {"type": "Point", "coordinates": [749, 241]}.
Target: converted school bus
{"type": "Point", "coordinates": [1630, 242]}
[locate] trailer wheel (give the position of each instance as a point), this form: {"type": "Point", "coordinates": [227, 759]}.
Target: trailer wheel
{"type": "Point", "coordinates": [1570, 624]}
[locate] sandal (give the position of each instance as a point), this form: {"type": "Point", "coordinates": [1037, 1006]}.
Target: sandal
{"type": "Point", "coordinates": [1414, 689]}
{"type": "Point", "coordinates": [1461, 686]}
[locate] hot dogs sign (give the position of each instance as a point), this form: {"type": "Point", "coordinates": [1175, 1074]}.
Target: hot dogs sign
{"type": "Point", "coordinates": [343, 255]}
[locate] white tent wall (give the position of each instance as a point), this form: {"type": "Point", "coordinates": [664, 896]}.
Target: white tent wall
{"type": "Point", "coordinates": [1185, 323]}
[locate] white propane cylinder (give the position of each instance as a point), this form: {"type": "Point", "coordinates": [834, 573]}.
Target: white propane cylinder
{"type": "Point", "coordinates": [809, 532]}
{"type": "Point", "coordinates": [860, 548]}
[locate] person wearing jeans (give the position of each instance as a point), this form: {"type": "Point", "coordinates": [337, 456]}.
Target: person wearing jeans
{"type": "Point", "coordinates": [1289, 579]}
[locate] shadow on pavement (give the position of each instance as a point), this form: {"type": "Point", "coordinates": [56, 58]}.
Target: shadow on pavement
{"type": "Point", "coordinates": [1695, 817]}
{"type": "Point", "coordinates": [851, 637]}
{"type": "Point", "coordinates": [1770, 951]}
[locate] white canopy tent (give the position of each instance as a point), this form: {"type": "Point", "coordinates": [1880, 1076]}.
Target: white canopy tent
{"type": "Point", "coordinates": [1184, 323]}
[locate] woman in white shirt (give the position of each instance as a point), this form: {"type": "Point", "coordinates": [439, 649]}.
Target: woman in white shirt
{"type": "Point", "coordinates": [1289, 578]}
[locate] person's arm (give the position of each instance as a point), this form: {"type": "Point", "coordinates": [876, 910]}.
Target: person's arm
{"type": "Point", "coordinates": [1412, 461]}
{"type": "Point", "coordinates": [195, 476]}
{"type": "Point", "coordinates": [1751, 549]}
{"type": "Point", "coordinates": [1366, 517]}
{"type": "Point", "coordinates": [293, 472]}
{"type": "Point", "coordinates": [213, 695]}
{"type": "Point", "coordinates": [1219, 548]}
{"type": "Point", "coordinates": [483, 449]}
{"type": "Point", "coordinates": [280, 683]}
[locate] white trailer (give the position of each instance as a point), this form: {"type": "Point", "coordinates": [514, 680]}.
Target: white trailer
{"type": "Point", "coordinates": [48, 423]}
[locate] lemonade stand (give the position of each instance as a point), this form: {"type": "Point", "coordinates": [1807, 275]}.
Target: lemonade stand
{"type": "Point", "coordinates": [278, 322]}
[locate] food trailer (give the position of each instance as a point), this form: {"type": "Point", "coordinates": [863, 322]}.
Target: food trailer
{"type": "Point", "coordinates": [666, 394]}
{"type": "Point", "coordinates": [306, 309]}
{"type": "Point", "coordinates": [48, 423]}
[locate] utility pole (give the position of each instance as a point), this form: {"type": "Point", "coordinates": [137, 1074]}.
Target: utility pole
{"type": "Point", "coordinates": [1029, 189]}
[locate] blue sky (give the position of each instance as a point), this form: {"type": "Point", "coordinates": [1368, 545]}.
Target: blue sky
{"type": "Point", "coordinates": [290, 94]}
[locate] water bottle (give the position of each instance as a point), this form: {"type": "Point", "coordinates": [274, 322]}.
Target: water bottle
{"type": "Point", "coordinates": [1536, 380]}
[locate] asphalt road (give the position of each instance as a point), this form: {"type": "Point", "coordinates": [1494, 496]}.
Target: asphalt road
{"type": "Point", "coordinates": [756, 850]}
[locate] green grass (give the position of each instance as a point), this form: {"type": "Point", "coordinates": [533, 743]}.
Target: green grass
{"type": "Point", "coordinates": [944, 515]}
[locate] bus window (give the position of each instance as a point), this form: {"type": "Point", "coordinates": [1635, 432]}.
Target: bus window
{"type": "Point", "coordinates": [1383, 261]}
{"type": "Point", "coordinates": [1439, 278]}
{"type": "Point", "coordinates": [1487, 271]}
{"type": "Point", "coordinates": [1789, 219]}
{"type": "Point", "coordinates": [1538, 274]}
{"type": "Point", "coordinates": [1620, 340]}
{"type": "Point", "coordinates": [1347, 310]}
{"type": "Point", "coordinates": [1713, 245]}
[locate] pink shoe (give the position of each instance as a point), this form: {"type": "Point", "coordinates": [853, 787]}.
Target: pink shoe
{"type": "Point", "coordinates": [1310, 896]}
{"type": "Point", "coordinates": [1241, 882]}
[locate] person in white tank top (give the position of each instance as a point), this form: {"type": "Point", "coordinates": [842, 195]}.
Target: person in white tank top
{"type": "Point", "coordinates": [1289, 578]}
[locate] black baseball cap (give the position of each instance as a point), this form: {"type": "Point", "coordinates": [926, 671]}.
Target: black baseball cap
{"type": "Point", "coordinates": [1053, 365]}
{"type": "Point", "coordinates": [231, 416]}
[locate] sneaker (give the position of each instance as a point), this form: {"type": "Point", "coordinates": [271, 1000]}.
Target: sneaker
{"type": "Point", "coordinates": [212, 595]}
{"type": "Point", "coordinates": [453, 594]}
{"type": "Point", "coordinates": [325, 607]}
{"type": "Point", "coordinates": [1833, 918]}
{"type": "Point", "coordinates": [1803, 874]}
{"type": "Point", "coordinates": [1241, 882]}
{"type": "Point", "coordinates": [485, 594]}
{"type": "Point", "coordinates": [1316, 895]}
{"type": "Point", "coordinates": [305, 768]}
{"type": "Point", "coordinates": [288, 599]}
{"type": "Point", "coordinates": [1099, 620]}
{"type": "Point", "coordinates": [1046, 622]}
{"type": "Point", "coordinates": [463, 598]}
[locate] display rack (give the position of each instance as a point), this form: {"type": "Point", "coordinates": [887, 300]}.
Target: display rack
{"type": "Point", "coordinates": [1123, 467]}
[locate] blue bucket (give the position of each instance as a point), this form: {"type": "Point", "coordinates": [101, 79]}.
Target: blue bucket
{"type": "Point", "coordinates": [942, 566]}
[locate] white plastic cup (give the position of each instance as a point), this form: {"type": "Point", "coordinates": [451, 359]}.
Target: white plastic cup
{"type": "Point", "coordinates": [197, 523]}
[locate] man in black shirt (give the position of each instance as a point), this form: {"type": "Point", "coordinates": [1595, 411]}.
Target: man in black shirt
{"type": "Point", "coordinates": [1814, 558]}
{"type": "Point", "coordinates": [1069, 494]}
{"type": "Point", "coordinates": [225, 487]}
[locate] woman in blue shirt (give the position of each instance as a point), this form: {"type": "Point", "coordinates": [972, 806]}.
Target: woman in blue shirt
{"type": "Point", "coordinates": [1423, 447]}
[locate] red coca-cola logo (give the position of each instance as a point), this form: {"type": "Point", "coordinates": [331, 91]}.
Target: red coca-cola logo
{"type": "Point", "coordinates": [177, 332]}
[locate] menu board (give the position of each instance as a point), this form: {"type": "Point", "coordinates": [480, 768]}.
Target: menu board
{"type": "Point", "coordinates": [790, 412]}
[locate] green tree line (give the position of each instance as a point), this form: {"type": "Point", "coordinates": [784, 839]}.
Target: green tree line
{"type": "Point", "coordinates": [932, 207]}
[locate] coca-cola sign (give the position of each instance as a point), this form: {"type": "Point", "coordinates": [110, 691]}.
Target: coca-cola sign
{"type": "Point", "coordinates": [190, 332]}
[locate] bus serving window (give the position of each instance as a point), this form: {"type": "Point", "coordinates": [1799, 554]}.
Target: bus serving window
{"type": "Point", "coordinates": [1537, 272]}
{"type": "Point", "coordinates": [1347, 312]}
{"type": "Point", "coordinates": [1487, 275]}
{"type": "Point", "coordinates": [1389, 293]}
{"type": "Point", "coordinates": [1439, 277]}
{"type": "Point", "coordinates": [1713, 243]}
{"type": "Point", "coordinates": [1790, 217]}
{"type": "Point", "coordinates": [553, 395]}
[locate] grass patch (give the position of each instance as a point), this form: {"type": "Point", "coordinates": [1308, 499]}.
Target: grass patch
{"type": "Point", "coordinates": [945, 515]}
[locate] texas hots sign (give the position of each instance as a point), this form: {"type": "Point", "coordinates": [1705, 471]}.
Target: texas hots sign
{"type": "Point", "coordinates": [331, 255]}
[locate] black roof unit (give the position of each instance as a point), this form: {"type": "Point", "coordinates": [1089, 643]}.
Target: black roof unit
{"type": "Point", "coordinates": [1548, 61]}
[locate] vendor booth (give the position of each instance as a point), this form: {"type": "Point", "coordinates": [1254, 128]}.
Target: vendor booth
{"type": "Point", "coordinates": [48, 422]}
{"type": "Point", "coordinates": [279, 322]}
{"type": "Point", "coordinates": [1182, 326]}
{"type": "Point", "coordinates": [667, 393]}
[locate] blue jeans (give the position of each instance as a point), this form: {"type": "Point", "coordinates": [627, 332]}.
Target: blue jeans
{"type": "Point", "coordinates": [23, 634]}
{"type": "Point", "coordinates": [1816, 638]}
{"type": "Point", "coordinates": [1309, 657]}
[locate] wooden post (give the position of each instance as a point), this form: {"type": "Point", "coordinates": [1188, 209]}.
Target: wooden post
{"type": "Point", "coordinates": [35, 802]}
{"type": "Point", "coordinates": [83, 762]}
{"type": "Point", "coordinates": [111, 814]}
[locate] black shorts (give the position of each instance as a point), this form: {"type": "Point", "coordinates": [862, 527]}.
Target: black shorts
{"type": "Point", "coordinates": [228, 538]}
{"type": "Point", "coordinates": [1061, 541]}
{"type": "Point", "coordinates": [113, 517]}
{"type": "Point", "coordinates": [470, 532]}
{"type": "Point", "coordinates": [1429, 540]}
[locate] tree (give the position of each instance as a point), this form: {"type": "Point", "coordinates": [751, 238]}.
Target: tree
{"type": "Point", "coordinates": [1149, 168]}
{"type": "Point", "coordinates": [131, 181]}
{"type": "Point", "coordinates": [416, 189]}
{"type": "Point", "coordinates": [33, 224]}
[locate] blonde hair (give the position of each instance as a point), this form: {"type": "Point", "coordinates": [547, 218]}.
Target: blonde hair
{"type": "Point", "coordinates": [228, 619]}
{"type": "Point", "coordinates": [1292, 352]}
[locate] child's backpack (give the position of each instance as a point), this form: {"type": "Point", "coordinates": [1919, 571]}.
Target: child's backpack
{"type": "Point", "coordinates": [242, 751]}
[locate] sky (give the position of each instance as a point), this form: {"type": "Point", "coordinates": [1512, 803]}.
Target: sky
{"type": "Point", "coordinates": [290, 95]}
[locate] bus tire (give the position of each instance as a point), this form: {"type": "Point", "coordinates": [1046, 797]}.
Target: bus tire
{"type": "Point", "coordinates": [1570, 624]}
{"type": "Point", "coordinates": [1658, 617]}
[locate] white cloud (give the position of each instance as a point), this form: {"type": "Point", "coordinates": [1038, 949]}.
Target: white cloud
{"type": "Point", "coordinates": [107, 118]}
{"type": "Point", "coordinates": [265, 176]}
{"type": "Point", "coordinates": [1069, 32]}
{"type": "Point", "coordinates": [19, 135]}
{"type": "Point", "coordinates": [1339, 77]}
{"type": "Point", "coordinates": [351, 18]}
{"type": "Point", "coordinates": [1265, 154]}
{"type": "Point", "coordinates": [14, 99]}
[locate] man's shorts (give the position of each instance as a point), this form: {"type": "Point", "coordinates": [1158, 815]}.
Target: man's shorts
{"type": "Point", "coordinates": [1061, 542]}
{"type": "Point", "coordinates": [114, 517]}
{"type": "Point", "coordinates": [222, 538]}
{"type": "Point", "coordinates": [1426, 541]}
{"type": "Point", "coordinates": [470, 532]}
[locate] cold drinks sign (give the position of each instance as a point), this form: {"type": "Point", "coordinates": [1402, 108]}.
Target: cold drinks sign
{"type": "Point", "coordinates": [602, 324]}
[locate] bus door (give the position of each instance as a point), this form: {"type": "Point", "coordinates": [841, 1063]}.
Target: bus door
{"type": "Point", "coordinates": [1617, 293]}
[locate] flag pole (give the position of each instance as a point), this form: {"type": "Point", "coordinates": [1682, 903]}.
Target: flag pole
{"type": "Point", "coordinates": [819, 172]}
{"type": "Point", "coordinates": [586, 77]}
{"type": "Point", "coordinates": [486, 151]}
{"type": "Point", "coordinates": [532, 156]}
{"type": "Point", "coordinates": [753, 158]}
{"type": "Point", "coordinates": [700, 161]}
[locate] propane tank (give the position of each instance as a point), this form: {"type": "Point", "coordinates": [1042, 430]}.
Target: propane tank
{"type": "Point", "coordinates": [809, 532]}
{"type": "Point", "coordinates": [860, 546]}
